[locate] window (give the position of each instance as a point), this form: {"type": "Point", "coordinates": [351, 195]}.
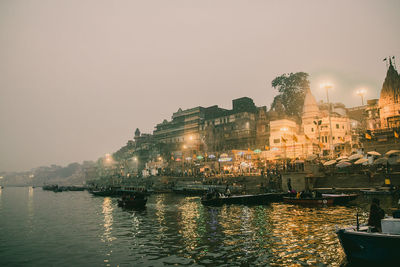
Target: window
{"type": "Point", "coordinates": [337, 126]}
{"type": "Point", "coordinates": [312, 129]}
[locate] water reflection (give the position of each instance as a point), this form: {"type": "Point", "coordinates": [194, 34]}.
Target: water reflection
{"type": "Point", "coordinates": [31, 211]}
{"type": "Point", "coordinates": [108, 223]}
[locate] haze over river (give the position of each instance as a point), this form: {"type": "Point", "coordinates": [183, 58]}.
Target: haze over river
{"type": "Point", "coordinates": [43, 228]}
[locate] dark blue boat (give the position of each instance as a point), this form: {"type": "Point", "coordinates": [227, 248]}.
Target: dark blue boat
{"type": "Point", "coordinates": [366, 248]}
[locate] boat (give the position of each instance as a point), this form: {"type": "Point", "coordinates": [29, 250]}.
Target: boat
{"type": "Point", "coordinates": [132, 200]}
{"type": "Point", "coordinates": [378, 192]}
{"type": "Point", "coordinates": [309, 201]}
{"type": "Point", "coordinates": [341, 198]}
{"type": "Point", "coordinates": [363, 247]}
{"type": "Point", "coordinates": [220, 199]}
{"type": "Point", "coordinates": [106, 192]}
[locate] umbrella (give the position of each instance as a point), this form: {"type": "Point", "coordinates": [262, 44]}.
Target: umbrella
{"type": "Point", "coordinates": [200, 157]}
{"type": "Point", "coordinates": [188, 158]}
{"type": "Point", "coordinates": [299, 161]}
{"type": "Point", "coordinates": [211, 156]}
{"type": "Point", "coordinates": [380, 161]}
{"type": "Point", "coordinates": [373, 153]}
{"type": "Point", "coordinates": [393, 160]}
{"type": "Point", "coordinates": [343, 164]}
{"type": "Point", "coordinates": [355, 157]}
{"type": "Point", "coordinates": [361, 161]}
{"type": "Point", "coordinates": [311, 157]}
{"type": "Point", "coordinates": [330, 162]}
{"type": "Point", "coordinates": [224, 155]}
{"type": "Point", "coordinates": [257, 151]}
{"type": "Point", "coordinates": [390, 152]}
{"type": "Point", "coordinates": [342, 157]}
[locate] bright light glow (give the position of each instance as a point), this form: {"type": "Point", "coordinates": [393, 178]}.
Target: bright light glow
{"type": "Point", "coordinates": [135, 158]}
{"type": "Point", "coordinates": [284, 129]}
{"type": "Point", "coordinates": [160, 158]}
{"type": "Point", "coordinates": [361, 92]}
{"type": "Point", "coordinates": [184, 146]}
{"type": "Point", "coordinates": [190, 137]}
{"type": "Point", "coordinates": [326, 85]}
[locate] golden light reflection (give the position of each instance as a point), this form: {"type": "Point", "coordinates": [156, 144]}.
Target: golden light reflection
{"type": "Point", "coordinates": [189, 214]}
{"type": "Point", "coordinates": [31, 210]}
{"type": "Point", "coordinates": [160, 212]}
{"type": "Point", "coordinates": [108, 220]}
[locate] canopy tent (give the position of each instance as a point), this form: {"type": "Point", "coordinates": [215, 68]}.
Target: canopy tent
{"type": "Point", "coordinates": [355, 157]}
{"type": "Point", "coordinates": [330, 162]}
{"type": "Point", "coordinates": [343, 164]}
{"type": "Point", "coordinates": [390, 152]}
{"type": "Point", "coordinates": [344, 160]}
{"type": "Point", "coordinates": [373, 153]}
{"type": "Point", "coordinates": [311, 157]}
{"type": "Point", "coordinates": [224, 155]}
{"type": "Point", "coordinates": [361, 161]}
{"type": "Point", "coordinates": [342, 157]}
{"type": "Point", "coordinates": [380, 161]}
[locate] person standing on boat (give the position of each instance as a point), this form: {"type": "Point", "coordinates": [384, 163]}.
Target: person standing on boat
{"type": "Point", "coordinates": [376, 214]}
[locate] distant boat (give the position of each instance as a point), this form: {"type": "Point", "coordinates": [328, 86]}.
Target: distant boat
{"type": "Point", "coordinates": [132, 200]}
{"type": "Point", "coordinates": [363, 247]}
{"type": "Point", "coordinates": [209, 200]}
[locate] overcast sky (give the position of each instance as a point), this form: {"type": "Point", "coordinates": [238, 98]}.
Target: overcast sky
{"type": "Point", "coordinates": [77, 77]}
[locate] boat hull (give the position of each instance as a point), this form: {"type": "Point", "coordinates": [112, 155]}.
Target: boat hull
{"type": "Point", "coordinates": [370, 248]}
{"type": "Point", "coordinates": [341, 198]}
{"type": "Point", "coordinates": [132, 204]}
{"type": "Point", "coordinates": [308, 201]}
{"type": "Point", "coordinates": [243, 199]}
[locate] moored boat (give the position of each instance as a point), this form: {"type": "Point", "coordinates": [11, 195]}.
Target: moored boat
{"type": "Point", "coordinates": [362, 246]}
{"type": "Point", "coordinates": [132, 200]}
{"type": "Point", "coordinates": [106, 192]}
{"type": "Point", "coordinates": [218, 200]}
{"type": "Point", "coordinates": [318, 201]}
{"type": "Point", "coordinates": [341, 198]}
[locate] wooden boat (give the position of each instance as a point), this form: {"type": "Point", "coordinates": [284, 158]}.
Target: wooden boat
{"type": "Point", "coordinates": [321, 201]}
{"type": "Point", "coordinates": [218, 200]}
{"type": "Point", "coordinates": [107, 192]}
{"type": "Point", "coordinates": [132, 200]}
{"type": "Point", "coordinates": [363, 247]}
{"type": "Point", "coordinates": [341, 198]}
{"type": "Point", "coordinates": [378, 192]}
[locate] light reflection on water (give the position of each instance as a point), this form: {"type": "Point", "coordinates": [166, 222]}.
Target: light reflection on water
{"type": "Point", "coordinates": [176, 230]}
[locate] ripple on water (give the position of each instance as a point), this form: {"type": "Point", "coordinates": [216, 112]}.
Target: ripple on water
{"type": "Point", "coordinates": [73, 228]}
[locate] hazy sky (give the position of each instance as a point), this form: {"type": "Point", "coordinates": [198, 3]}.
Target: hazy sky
{"type": "Point", "coordinates": [77, 77]}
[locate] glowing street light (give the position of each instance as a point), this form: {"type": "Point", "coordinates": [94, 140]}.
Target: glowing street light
{"type": "Point", "coordinates": [328, 86]}
{"type": "Point", "coordinates": [361, 92]}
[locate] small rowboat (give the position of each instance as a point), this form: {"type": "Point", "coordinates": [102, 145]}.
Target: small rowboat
{"type": "Point", "coordinates": [323, 201]}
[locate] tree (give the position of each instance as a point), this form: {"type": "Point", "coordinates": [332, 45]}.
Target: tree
{"type": "Point", "coordinates": [292, 89]}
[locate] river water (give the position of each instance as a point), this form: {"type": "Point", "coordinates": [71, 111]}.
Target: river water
{"type": "Point", "coordinates": [42, 228]}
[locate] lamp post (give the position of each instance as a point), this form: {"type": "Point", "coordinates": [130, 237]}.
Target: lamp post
{"type": "Point", "coordinates": [361, 92]}
{"type": "Point", "coordinates": [328, 86]}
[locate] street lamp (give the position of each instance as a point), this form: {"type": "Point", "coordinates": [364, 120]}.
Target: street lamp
{"type": "Point", "coordinates": [361, 92]}
{"type": "Point", "coordinates": [328, 86]}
